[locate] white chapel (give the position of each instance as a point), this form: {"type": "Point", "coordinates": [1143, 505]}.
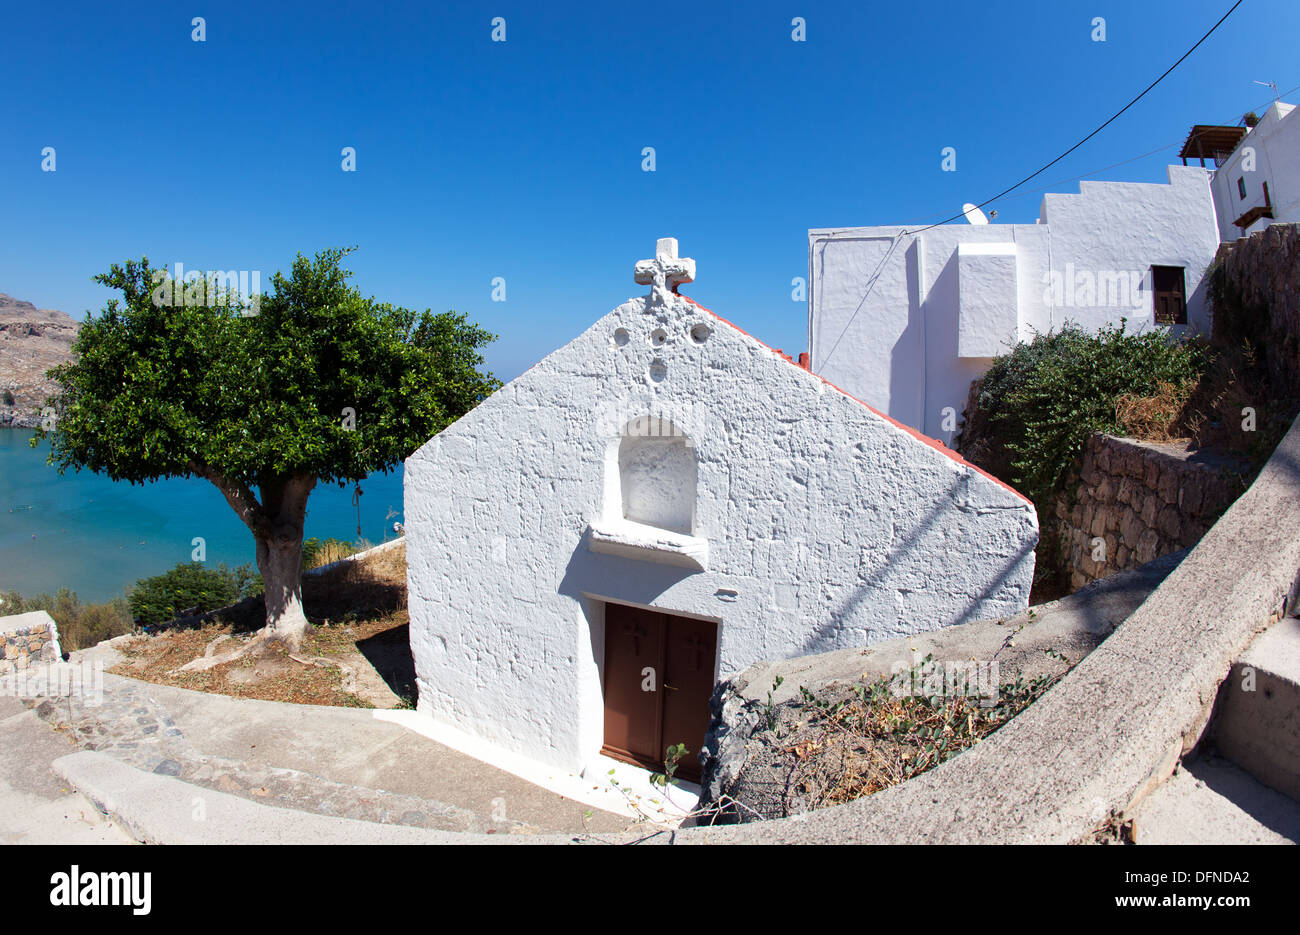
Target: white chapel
{"type": "Point", "coordinates": [662, 502]}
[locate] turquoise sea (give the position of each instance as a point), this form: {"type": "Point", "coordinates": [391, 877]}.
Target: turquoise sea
{"type": "Point", "coordinates": [85, 532]}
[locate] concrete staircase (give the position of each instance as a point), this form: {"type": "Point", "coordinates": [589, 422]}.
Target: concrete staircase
{"type": "Point", "coordinates": [1258, 726]}
{"type": "Point", "coordinates": [1242, 786]}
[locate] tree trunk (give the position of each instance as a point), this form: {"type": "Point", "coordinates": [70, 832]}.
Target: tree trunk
{"type": "Point", "coordinates": [276, 523]}
{"type": "Point", "coordinates": [279, 559]}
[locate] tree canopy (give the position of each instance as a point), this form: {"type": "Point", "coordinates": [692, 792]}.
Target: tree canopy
{"type": "Point", "coordinates": [167, 390]}
{"type": "Point", "coordinates": [312, 383]}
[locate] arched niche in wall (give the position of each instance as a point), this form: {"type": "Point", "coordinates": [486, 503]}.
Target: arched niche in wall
{"type": "Point", "coordinates": [650, 490]}
{"type": "Point", "coordinates": [657, 475]}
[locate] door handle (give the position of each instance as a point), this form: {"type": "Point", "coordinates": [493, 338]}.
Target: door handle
{"type": "Point", "coordinates": [671, 688]}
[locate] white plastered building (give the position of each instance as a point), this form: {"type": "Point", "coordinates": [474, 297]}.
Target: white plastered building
{"type": "Point", "coordinates": [662, 502]}
{"type": "Point", "coordinates": [906, 319]}
{"type": "Point", "coordinates": [1256, 178]}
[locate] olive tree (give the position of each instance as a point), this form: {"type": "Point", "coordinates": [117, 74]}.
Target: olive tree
{"type": "Point", "coordinates": [310, 383]}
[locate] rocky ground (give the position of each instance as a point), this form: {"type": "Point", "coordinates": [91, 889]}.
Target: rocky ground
{"type": "Point", "coordinates": [776, 751]}
{"type": "Point", "coordinates": [32, 341]}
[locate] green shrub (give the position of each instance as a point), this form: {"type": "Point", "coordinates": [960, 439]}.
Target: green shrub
{"type": "Point", "coordinates": [1045, 398]}
{"type": "Point", "coordinates": [80, 625]}
{"type": "Point", "coordinates": [190, 584]}
{"type": "Point", "coordinates": [8, 398]}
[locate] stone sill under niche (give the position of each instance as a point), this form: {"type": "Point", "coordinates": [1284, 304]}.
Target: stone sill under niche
{"type": "Point", "coordinates": [629, 539]}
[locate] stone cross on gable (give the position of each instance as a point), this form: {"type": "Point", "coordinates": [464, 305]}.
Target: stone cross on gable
{"type": "Point", "coordinates": [665, 272]}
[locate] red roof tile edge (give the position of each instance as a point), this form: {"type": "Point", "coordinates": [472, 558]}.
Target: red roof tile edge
{"type": "Point", "coordinates": [932, 442]}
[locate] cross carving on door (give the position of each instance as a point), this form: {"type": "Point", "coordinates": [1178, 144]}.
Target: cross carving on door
{"type": "Point", "coordinates": [698, 646]}
{"type": "Point", "coordinates": [636, 631]}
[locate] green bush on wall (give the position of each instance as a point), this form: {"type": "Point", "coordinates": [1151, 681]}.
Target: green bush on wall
{"type": "Point", "coordinates": [1045, 398]}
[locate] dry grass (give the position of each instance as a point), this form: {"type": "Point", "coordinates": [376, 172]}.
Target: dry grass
{"type": "Point", "coordinates": [359, 618]}
{"type": "Point", "coordinates": [1210, 411]}
{"type": "Point", "coordinates": [1156, 418]}
{"type": "Point", "coordinates": [328, 551]}
{"type": "Point", "coordinates": [846, 748]}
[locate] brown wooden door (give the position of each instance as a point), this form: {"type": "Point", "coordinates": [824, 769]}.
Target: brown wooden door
{"type": "Point", "coordinates": [658, 679]}
{"type": "Point", "coordinates": [688, 683]}
{"type": "Point", "coordinates": [1169, 293]}
{"type": "Point", "coordinates": [633, 643]}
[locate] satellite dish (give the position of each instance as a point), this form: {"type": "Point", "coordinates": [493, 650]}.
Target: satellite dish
{"type": "Point", "coordinates": [973, 214]}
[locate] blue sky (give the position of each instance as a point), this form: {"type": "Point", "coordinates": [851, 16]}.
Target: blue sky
{"type": "Point", "coordinates": [523, 159]}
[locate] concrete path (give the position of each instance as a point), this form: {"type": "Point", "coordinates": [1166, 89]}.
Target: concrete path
{"type": "Point", "coordinates": [159, 809]}
{"type": "Point", "coordinates": [340, 763]}
{"type": "Point", "coordinates": [350, 747]}
{"type": "Point", "coordinates": [37, 805]}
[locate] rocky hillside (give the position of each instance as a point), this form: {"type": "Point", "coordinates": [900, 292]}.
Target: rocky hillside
{"type": "Point", "coordinates": [32, 341]}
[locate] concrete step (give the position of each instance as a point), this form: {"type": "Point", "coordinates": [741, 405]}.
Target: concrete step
{"type": "Point", "coordinates": [37, 806]}
{"type": "Point", "coordinates": [1211, 801]}
{"type": "Point", "coordinates": [1257, 724]}
{"type": "Point", "coordinates": [157, 809]}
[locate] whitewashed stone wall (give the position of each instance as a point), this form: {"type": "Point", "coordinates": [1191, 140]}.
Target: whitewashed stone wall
{"type": "Point", "coordinates": [27, 639]}
{"type": "Point", "coordinates": [820, 524]}
{"type": "Point", "coordinates": [906, 321]}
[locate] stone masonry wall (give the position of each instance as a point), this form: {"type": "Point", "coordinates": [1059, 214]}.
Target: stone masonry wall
{"type": "Point", "coordinates": [1136, 501]}
{"type": "Point", "coordinates": [1258, 298]}
{"type": "Point", "coordinates": [26, 639]}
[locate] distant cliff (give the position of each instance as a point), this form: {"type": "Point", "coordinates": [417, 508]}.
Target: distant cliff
{"type": "Point", "coordinates": [32, 341]}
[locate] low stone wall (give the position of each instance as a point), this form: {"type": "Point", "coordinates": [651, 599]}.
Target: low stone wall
{"type": "Point", "coordinates": [1136, 501]}
{"type": "Point", "coordinates": [26, 639]}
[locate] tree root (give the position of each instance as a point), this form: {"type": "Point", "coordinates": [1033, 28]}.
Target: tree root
{"type": "Point", "coordinates": [259, 643]}
{"type": "Point", "coordinates": [349, 674]}
{"type": "Point", "coordinates": [208, 660]}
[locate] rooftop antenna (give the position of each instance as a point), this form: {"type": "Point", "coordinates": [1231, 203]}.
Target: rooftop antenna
{"type": "Point", "coordinates": [1273, 85]}
{"type": "Point", "coordinates": [973, 214]}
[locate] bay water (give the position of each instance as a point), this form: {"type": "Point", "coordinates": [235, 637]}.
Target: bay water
{"type": "Point", "coordinates": [96, 536]}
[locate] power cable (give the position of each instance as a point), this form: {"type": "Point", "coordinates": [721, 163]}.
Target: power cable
{"type": "Point", "coordinates": [1115, 117]}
